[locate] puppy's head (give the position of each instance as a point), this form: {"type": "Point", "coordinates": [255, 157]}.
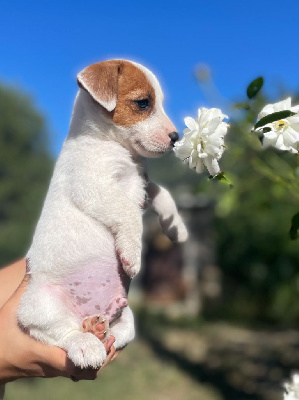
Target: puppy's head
{"type": "Point", "coordinates": [131, 98]}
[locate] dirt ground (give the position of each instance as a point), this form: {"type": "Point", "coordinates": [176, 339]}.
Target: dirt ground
{"type": "Point", "coordinates": [238, 363]}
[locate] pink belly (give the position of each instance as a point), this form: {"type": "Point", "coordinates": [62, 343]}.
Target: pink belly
{"type": "Point", "coordinates": [98, 288]}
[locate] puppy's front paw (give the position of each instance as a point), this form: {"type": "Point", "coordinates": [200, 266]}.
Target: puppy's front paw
{"type": "Point", "coordinates": [130, 268]}
{"type": "Point", "coordinates": [129, 253]}
{"type": "Point", "coordinates": [182, 235]}
{"type": "Point", "coordinates": [174, 228]}
{"type": "Point", "coordinates": [85, 350]}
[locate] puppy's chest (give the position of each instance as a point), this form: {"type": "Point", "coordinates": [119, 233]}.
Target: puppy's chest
{"type": "Point", "coordinates": [132, 181]}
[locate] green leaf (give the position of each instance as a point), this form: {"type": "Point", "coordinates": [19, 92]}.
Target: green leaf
{"type": "Point", "coordinates": [254, 87]}
{"type": "Point", "coordinates": [267, 129]}
{"type": "Point", "coordinates": [241, 106]}
{"type": "Point", "coordinates": [273, 117]}
{"type": "Point", "coordinates": [221, 177]}
{"type": "Point", "coordinates": [294, 231]}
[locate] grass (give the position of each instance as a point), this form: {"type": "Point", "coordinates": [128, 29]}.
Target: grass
{"type": "Point", "coordinates": [136, 374]}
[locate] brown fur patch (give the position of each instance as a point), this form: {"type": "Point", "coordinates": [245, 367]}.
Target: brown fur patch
{"type": "Point", "coordinates": [132, 85]}
{"type": "Point", "coordinates": [101, 80]}
{"type": "Point", "coordinates": [122, 80]}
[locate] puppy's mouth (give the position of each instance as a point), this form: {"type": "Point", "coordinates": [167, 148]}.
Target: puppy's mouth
{"type": "Point", "coordinates": [151, 151]}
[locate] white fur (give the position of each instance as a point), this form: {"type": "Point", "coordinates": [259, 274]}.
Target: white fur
{"type": "Point", "coordinates": [94, 206]}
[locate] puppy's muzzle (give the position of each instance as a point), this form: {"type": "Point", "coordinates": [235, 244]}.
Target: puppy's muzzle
{"type": "Point", "coordinates": [174, 136]}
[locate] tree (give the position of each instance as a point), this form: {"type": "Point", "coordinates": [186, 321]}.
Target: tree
{"type": "Point", "coordinates": [25, 170]}
{"type": "Point", "coordinates": [258, 259]}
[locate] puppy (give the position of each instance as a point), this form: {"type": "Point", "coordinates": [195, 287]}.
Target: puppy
{"type": "Point", "coordinates": [87, 243]}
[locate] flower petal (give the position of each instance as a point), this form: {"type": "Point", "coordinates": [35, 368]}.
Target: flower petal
{"type": "Point", "coordinates": [203, 141]}
{"type": "Point", "coordinates": [183, 148]}
{"type": "Point", "coordinates": [282, 105]}
{"type": "Point", "coordinates": [198, 167]}
{"type": "Point", "coordinates": [268, 109]}
{"type": "Point", "coordinates": [191, 124]}
{"type": "Point", "coordinates": [212, 165]}
{"type": "Point", "coordinates": [290, 137]}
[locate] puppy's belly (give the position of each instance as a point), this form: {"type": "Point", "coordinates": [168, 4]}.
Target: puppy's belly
{"type": "Point", "coordinates": [98, 288]}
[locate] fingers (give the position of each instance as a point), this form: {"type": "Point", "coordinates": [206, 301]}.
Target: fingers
{"type": "Point", "coordinates": [109, 343]}
{"type": "Point", "coordinates": [116, 354]}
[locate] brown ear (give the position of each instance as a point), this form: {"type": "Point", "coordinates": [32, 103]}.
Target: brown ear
{"type": "Point", "coordinates": [101, 82]}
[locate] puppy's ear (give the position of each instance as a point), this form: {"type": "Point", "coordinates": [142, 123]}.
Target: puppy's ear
{"type": "Point", "coordinates": [101, 82]}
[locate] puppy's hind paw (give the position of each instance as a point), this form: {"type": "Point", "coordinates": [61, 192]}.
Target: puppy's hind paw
{"type": "Point", "coordinates": [85, 350]}
{"type": "Point", "coordinates": [98, 325]}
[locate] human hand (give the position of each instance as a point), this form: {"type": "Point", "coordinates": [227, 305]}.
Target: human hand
{"type": "Point", "coordinates": [22, 356]}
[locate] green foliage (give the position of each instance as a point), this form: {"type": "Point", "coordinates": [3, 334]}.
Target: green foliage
{"type": "Point", "coordinates": [294, 227]}
{"type": "Point", "coordinates": [260, 264]}
{"type": "Point", "coordinates": [276, 116]}
{"type": "Point", "coordinates": [241, 106]}
{"type": "Point", "coordinates": [169, 170]}
{"type": "Point", "coordinates": [25, 169]}
{"type": "Point", "coordinates": [254, 87]}
{"type": "Point", "coordinates": [222, 178]}
{"type": "Point", "coordinates": [258, 261]}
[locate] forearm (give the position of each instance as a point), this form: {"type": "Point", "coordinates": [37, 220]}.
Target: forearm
{"type": "Point", "coordinates": [10, 278]}
{"type": "Point", "coordinates": [162, 202]}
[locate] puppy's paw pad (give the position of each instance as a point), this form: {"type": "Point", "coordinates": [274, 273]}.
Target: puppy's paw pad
{"type": "Point", "coordinates": [98, 325]}
{"type": "Point", "coordinates": [85, 350]}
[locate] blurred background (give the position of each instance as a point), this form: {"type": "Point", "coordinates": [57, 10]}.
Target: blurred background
{"type": "Point", "coordinates": [217, 317]}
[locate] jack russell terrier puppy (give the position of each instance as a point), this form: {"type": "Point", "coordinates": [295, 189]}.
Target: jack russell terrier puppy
{"type": "Point", "coordinates": [87, 243]}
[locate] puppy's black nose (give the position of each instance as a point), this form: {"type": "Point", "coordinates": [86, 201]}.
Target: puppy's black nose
{"type": "Point", "coordinates": [173, 137]}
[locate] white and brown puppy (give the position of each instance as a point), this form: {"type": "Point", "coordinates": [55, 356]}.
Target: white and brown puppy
{"type": "Point", "coordinates": [87, 243]}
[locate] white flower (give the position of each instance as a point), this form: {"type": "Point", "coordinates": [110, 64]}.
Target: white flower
{"type": "Point", "coordinates": [292, 389]}
{"type": "Point", "coordinates": [203, 140]}
{"type": "Point", "coordinates": [284, 134]}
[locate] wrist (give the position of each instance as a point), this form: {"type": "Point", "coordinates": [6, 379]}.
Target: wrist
{"type": "Point", "coordinates": [10, 278]}
{"type": "Point", "coordinates": [17, 356]}
{"type": "Point", "coordinates": [25, 367]}
{"type": "Point", "coordinates": [5, 372]}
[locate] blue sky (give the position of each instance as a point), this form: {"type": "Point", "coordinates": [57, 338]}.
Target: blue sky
{"type": "Point", "coordinates": [44, 44]}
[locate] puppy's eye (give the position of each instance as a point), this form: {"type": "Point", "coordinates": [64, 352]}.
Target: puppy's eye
{"type": "Point", "coordinates": [143, 104]}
